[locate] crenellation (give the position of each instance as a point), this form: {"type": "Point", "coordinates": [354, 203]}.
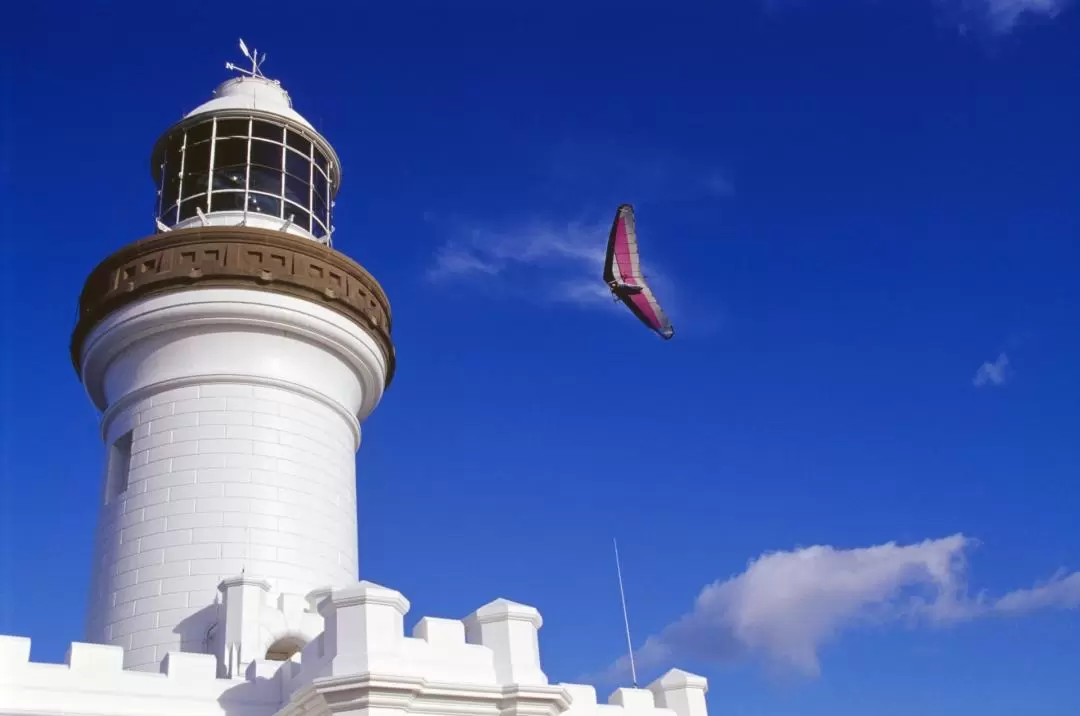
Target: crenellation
{"type": "Point", "coordinates": [582, 697]}
{"type": "Point", "coordinates": [510, 630]}
{"type": "Point", "coordinates": [98, 658]}
{"type": "Point", "coordinates": [681, 692]}
{"type": "Point", "coordinates": [345, 633]}
{"type": "Point", "coordinates": [632, 699]}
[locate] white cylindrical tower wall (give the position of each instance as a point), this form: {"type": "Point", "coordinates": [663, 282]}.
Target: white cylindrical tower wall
{"type": "Point", "coordinates": [234, 357]}
{"type": "Point", "coordinates": [231, 420]}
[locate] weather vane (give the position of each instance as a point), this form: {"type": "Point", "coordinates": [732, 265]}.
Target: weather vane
{"type": "Point", "coordinates": [253, 57]}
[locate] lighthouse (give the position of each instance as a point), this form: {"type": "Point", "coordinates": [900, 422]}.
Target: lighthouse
{"type": "Point", "coordinates": [234, 356]}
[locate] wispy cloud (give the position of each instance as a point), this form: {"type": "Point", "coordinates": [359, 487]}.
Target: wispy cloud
{"type": "Point", "coordinates": [999, 17]}
{"type": "Point", "coordinates": [788, 604]}
{"type": "Point", "coordinates": [560, 262]}
{"type": "Point", "coordinates": [1003, 15]}
{"type": "Point", "coordinates": [992, 374]}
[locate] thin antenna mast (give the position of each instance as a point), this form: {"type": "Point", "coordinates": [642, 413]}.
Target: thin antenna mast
{"type": "Point", "coordinates": [626, 616]}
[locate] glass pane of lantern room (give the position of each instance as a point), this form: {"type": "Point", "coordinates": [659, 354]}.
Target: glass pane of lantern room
{"type": "Point", "coordinates": [265, 180]}
{"type": "Point", "coordinates": [230, 177]}
{"type": "Point", "coordinates": [230, 152]}
{"type": "Point", "coordinates": [170, 186]}
{"type": "Point", "coordinates": [227, 201]}
{"type": "Point", "coordinates": [296, 190]}
{"type": "Point", "coordinates": [232, 128]}
{"type": "Point", "coordinates": [300, 217]}
{"type": "Point", "coordinates": [199, 132]}
{"type": "Point", "coordinates": [195, 184]}
{"type": "Point", "coordinates": [266, 154]}
{"type": "Point", "coordinates": [320, 185]}
{"type": "Point", "coordinates": [300, 144]}
{"type": "Point", "coordinates": [197, 158]}
{"type": "Point", "coordinates": [188, 208]}
{"type": "Point", "coordinates": [263, 204]}
{"type": "Point", "coordinates": [297, 165]}
{"type": "Point", "coordinates": [266, 130]}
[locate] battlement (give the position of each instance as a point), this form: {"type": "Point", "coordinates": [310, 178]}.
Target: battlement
{"type": "Point", "coordinates": [489, 661]}
{"type": "Point", "coordinates": [92, 681]}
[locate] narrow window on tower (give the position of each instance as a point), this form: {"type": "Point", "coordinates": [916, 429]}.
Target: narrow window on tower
{"type": "Point", "coordinates": [119, 465]}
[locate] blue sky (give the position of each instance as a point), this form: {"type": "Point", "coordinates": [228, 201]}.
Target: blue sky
{"type": "Point", "coordinates": [862, 217]}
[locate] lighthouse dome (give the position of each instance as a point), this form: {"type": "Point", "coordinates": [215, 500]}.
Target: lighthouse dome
{"type": "Point", "coordinates": [251, 93]}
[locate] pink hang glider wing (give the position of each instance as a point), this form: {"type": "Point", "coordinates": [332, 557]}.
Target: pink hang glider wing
{"type": "Point", "coordinates": [622, 274]}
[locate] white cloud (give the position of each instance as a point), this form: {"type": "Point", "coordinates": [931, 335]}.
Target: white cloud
{"type": "Point", "coordinates": [787, 605]}
{"type": "Point", "coordinates": [1002, 15]}
{"type": "Point", "coordinates": [555, 262]}
{"type": "Point", "coordinates": [997, 16]}
{"type": "Point", "coordinates": [532, 243]}
{"type": "Point", "coordinates": [561, 263]}
{"type": "Point", "coordinates": [1062, 591]}
{"type": "Point", "coordinates": [995, 373]}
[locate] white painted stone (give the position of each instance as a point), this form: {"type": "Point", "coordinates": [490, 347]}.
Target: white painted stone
{"type": "Point", "coordinates": [208, 500]}
{"type": "Point", "coordinates": [360, 646]}
{"type": "Point", "coordinates": [681, 692]}
{"type": "Point", "coordinates": [510, 630]}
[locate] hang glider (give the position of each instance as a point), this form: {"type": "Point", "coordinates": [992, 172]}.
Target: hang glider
{"type": "Point", "coordinates": [622, 274]}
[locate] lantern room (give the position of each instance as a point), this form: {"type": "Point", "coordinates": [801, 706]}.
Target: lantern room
{"type": "Point", "coordinates": [246, 157]}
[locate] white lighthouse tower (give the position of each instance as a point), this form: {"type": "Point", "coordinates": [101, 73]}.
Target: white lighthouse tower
{"type": "Point", "coordinates": [234, 356]}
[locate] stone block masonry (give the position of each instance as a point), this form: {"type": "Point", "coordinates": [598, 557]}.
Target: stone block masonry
{"type": "Point", "coordinates": [220, 479]}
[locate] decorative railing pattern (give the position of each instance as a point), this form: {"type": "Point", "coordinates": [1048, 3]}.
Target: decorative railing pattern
{"type": "Point", "coordinates": [235, 256]}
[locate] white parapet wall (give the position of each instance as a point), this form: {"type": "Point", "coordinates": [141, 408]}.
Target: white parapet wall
{"type": "Point", "coordinates": [362, 662]}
